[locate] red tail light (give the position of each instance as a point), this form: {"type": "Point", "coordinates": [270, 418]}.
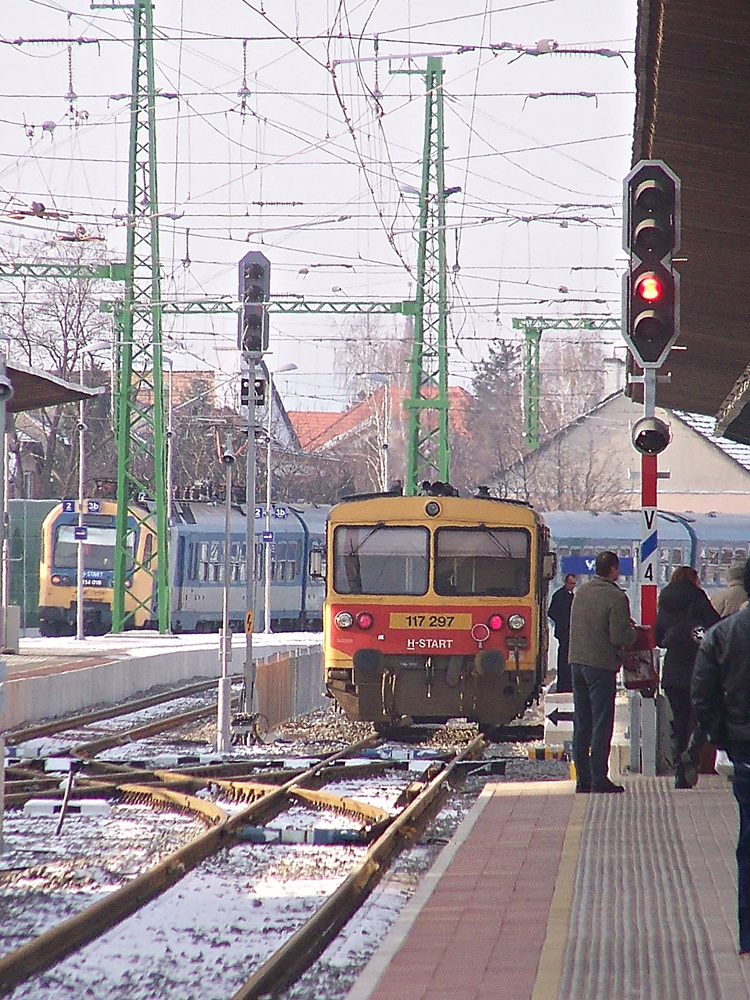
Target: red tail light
{"type": "Point", "coordinates": [495, 622]}
{"type": "Point", "coordinates": [365, 619]}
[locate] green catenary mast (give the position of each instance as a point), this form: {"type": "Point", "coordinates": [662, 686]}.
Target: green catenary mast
{"type": "Point", "coordinates": [428, 456]}
{"type": "Point", "coordinates": [140, 426]}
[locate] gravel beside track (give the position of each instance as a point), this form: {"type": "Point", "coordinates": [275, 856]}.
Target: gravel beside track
{"type": "Point", "coordinates": [204, 932]}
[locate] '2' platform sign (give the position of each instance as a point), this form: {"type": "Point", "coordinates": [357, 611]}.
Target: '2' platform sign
{"type": "Point", "coordinates": [649, 546]}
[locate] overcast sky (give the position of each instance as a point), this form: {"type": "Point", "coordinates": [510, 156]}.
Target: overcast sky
{"type": "Point", "coordinates": [316, 159]}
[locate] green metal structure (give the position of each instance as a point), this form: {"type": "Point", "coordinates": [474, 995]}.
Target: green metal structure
{"type": "Point", "coordinates": [428, 451]}
{"type": "Point", "coordinates": [533, 328]}
{"type": "Point", "coordinates": [139, 399]}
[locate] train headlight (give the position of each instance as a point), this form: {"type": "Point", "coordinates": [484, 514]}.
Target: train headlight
{"type": "Point", "coordinates": [365, 619]}
{"type": "Point", "coordinates": [432, 509]}
{"type": "Point", "coordinates": [516, 622]}
{"type": "Point", "coordinates": [344, 620]}
{"type": "Point", "coordinates": [495, 622]}
{"type": "Point", "coordinates": [55, 578]}
{"type": "Point", "coordinates": [128, 583]}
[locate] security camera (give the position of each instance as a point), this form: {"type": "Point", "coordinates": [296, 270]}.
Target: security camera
{"type": "Point", "coordinates": [650, 436]}
{"type": "Point", "coordinates": [228, 458]}
{"type": "Point", "coordinates": [6, 390]}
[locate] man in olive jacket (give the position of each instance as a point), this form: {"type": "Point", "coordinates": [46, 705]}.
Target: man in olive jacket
{"type": "Point", "coordinates": [721, 700]}
{"type": "Point", "coordinates": [600, 626]}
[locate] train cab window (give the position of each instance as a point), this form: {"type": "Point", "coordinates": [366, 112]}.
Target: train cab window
{"type": "Point", "coordinates": [148, 549]}
{"type": "Point", "coordinates": [99, 547]}
{"type": "Point", "coordinates": [482, 561]}
{"type": "Point", "coordinates": [380, 559]}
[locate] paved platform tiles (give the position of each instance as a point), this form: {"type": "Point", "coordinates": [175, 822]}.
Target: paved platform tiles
{"type": "Point", "coordinates": [547, 895]}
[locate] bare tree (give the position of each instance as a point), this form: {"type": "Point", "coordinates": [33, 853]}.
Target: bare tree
{"type": "Point", "coordinates": [568, 474]}
{"type": "Point", "coordinates": [50, 322]}
{"type": "Point", "coordinates": [572, 379]}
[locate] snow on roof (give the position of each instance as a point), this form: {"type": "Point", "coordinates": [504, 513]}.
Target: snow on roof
{"type": "Point", "coordinates": [705, 426]}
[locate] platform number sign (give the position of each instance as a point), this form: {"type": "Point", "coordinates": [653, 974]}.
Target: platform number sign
{"type": "Point", "coordinates": [94, 506]}
{"type": "Point", "coordinates": [649, 546]}
{"type": "Point", "coordinates": [69, 506]}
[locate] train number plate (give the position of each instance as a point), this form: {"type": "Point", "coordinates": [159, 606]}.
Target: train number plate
{"type": "Point", "coordinates": [428, 621]}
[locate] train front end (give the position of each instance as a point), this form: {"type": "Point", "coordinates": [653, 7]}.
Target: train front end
{"type": "Point", "coordinates": [435, 609]}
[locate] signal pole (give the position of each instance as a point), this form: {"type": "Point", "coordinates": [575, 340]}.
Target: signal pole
{"type": "Point", "coordinates": [252, 340]}
{"type": "Point", "coordinates": [651, 325]}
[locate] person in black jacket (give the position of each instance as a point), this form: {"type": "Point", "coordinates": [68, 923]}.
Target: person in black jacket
{"type": "Point", "coordinates": [721, 701]}
{"type": "Point", "coordinates": [684, 612]}
{"type": "Point", "coordinates": [559, 612]}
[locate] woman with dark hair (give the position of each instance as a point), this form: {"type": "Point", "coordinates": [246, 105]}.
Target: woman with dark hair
{"type": "Point", "coordinates": [684, 612]}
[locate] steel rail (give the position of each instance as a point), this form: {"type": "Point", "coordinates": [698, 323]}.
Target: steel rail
{"type": "Point", "coordinates": [91, 749]}
{"type": "Point", "coordinates": [72, 934]}
{"type": "Point", "coordinates": [296, 955]}
{"type": "Point", "coordinates": [86, 718]}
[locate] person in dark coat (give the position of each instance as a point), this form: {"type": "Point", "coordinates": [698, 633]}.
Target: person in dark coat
{"type": "Point", "coordinates": [721, 701]}
{"type": "Point", "coordinates": [684, 613]}
{"type": "Point", "coordinates": [559, 612]}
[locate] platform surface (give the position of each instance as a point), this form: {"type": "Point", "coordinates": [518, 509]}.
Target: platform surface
{"type": "Point", "coordinates": [548, 895]}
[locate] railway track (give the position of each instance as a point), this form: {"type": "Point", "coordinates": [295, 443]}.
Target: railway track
{"type": "Point", "coordinates": [224, 829]}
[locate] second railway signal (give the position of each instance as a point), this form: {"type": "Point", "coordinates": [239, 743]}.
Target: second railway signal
{"type": "Point", "coordinates": [651, 288]}
{"type": "Point", "coordinates": [254, 292]}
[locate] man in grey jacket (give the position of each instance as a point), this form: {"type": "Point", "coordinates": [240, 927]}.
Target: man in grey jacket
{"type": "Point", "coordinates": [600, 626]}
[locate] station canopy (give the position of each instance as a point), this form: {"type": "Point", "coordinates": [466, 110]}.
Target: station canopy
{"type": "Point", "coordinates": [692, 111]}
{"type": "Point", "coordinates": [33, 389]}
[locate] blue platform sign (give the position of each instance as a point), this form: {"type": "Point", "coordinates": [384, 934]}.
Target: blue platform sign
{"type": "Point", "coordinates": [279, 512]}
{"type": "Point", "coordinates": [94, 506]}
{"type": "Point", "coordinates": [586, 565]}
{"type": "Point", "coordinates": [69, 506]}
{"type": "Point", "coordinates": [80, 532]}
{"type": "Point", "coordinates": [267, 536]}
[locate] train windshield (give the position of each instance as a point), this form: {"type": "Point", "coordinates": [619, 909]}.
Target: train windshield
{"type": "Point", "coordinates": [98, 549]}
{"type": "Point", "coordinates": [379, 559]}
{"type": "Point", "coordinates": [492, 562]}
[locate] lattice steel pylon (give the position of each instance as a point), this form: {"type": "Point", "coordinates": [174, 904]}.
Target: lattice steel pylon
{"type": "Point", "coordinates": [139, 399]}
{"type": "Point", "coordinates": [533, 327]}
{"type": "Point", "coordinates": [428, 454]}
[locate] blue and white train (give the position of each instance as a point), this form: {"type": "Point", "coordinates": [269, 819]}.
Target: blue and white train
{"type": "Point", "coordinates": [196, 553]}
{"type": "Point", "coordinates": [709, 543]}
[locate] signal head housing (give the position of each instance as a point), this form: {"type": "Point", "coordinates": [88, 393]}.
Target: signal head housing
{"type": "Point", "coordinates": [650, 436]}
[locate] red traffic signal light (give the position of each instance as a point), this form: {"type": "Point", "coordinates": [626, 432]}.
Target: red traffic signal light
{"type": "Point", "coordinates": [649, 288]}
{"type": "Point", "coordinates": [651, 306]}
{"type": "Point", "coordinates": [651, 312]}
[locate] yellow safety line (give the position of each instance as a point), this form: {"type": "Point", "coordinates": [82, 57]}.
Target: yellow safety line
{"type": "Point", "coordinates": [549, 973]}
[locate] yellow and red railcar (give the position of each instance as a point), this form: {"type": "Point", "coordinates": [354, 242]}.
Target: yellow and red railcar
{"type": "Point", "coordinates": [435, 609]}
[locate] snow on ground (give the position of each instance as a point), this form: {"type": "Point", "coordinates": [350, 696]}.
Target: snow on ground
{"type": "Point", "coordinates": [148, 643]}
{"type": "Point", "coordinates": [206, 935]}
